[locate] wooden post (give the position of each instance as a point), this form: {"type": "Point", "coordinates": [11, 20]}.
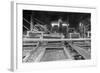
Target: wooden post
{"type": "Point", "coordinates": [32, 22]}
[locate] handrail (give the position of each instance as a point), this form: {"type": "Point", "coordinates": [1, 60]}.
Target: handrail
{"type": "Point", "coordinates": [39, 21]}
{"type": "Point", "coordinates": [36, 25]}
{"type": "Point", "coordinates": [26, 20]}
{"type": "Point", "coordinates": [25, 27]}
{"type": "Point", "coordinates": [34, 39]}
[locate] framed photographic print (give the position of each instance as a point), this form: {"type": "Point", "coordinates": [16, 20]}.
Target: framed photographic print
{"type": "Point", "coordinates": [52, 36]}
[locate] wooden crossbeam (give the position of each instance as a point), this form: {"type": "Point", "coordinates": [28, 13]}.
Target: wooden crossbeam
{"type": "Point", "coordinates": [34, 39]}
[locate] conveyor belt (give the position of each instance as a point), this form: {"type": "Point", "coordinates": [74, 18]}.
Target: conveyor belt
{"type": "Point", "coordinates": [54, 54]}
{"type": "Point", "coordinates": [81, 51]}
{"type": "Point", "coordinates": [49, 53]}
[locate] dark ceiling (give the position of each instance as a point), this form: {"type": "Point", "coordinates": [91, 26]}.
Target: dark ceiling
{"type": "Point", "coordinates": [47, 17]}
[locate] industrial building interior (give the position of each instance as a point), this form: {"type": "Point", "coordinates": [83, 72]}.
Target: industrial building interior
{"type": "Point", "coordinates": [55, 36]}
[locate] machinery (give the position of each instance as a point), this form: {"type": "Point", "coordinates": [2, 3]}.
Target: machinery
{"type": "Point", "coordinates": [40, 44]}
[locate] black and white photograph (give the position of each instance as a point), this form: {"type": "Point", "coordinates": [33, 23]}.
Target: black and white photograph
{"type": "Point", "coordinates": [55, 36]}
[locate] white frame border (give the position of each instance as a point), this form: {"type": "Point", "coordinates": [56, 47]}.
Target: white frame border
{"type": "Point", "coordinates": [16, 64]}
